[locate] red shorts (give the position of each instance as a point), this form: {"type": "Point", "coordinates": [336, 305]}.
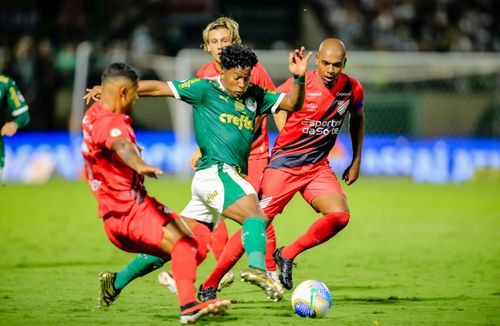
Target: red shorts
{"type": "Point", "coordinates": [280, 185]}
{"type": "Point", "coordinates": [255, 171]}
{"type": "Point", "coordinates": [140, 231]}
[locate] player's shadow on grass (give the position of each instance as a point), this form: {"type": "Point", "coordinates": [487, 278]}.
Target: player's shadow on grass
{"type": "Point", "coordinates": [246, 297]}
{"type": "Point", "coordinates": [386, 300]}
{"type": "Point", "coordinates": [395, 299]}
{"type": "Point", "coordinates": [210, 320]}
{"type": "Point", "coordinates": [362, 287]}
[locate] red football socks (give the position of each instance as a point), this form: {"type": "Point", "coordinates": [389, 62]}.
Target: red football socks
{"type": "Point", "coordinates": [219, 239]}
{"type": "Point", "coordinates": [203, 237]}
{"type": "Point", "coordinates": [184, 268]}
{"type": "Point", "coordinates": [270, 247]}
{"type": "Point", "coordinates": [320, 231]}
{"type": "Point", "coordinates": [228, 258]}
{"type": "Point", "coordinates": [233, 252]}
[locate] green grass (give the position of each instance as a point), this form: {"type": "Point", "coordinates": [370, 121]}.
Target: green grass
{"type": "Point", "coordinates": [413, 254]}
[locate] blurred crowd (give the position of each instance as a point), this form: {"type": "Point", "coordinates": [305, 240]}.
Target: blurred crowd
{"type": "Point", "coordinates": [414, 25]}
{"type": "Point", "coordinates": [39, 52]}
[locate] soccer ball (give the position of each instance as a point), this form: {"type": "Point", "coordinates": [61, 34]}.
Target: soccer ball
{"type": "Point", "coordinates": [311, 299]}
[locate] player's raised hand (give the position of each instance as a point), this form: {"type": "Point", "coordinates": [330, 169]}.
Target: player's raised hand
{"type": "Point", "coordinates": [150, 171]}
{"type": "Point", "coordinates": [297, 61]}
{"type": "Point", "coordinates": [93, 93]}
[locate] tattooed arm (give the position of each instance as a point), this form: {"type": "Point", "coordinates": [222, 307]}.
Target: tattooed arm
{"type": "Point", "coordinates": [129, 153]}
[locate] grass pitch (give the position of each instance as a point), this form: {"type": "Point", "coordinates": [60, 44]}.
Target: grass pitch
{"type": "Point", "coordinates": [413, 254]}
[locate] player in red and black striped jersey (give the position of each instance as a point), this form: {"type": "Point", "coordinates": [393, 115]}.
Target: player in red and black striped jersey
{"type": "Point", "coordinates": [299, 160]}
{"type": "Point", "coordinates": [309, 134]}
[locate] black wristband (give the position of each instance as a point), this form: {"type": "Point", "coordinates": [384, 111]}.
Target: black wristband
{"type": "Point", "coordinates": [299, 79]}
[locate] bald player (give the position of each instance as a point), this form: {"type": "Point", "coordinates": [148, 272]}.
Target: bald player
{"type": "Point", "coordinates": [299, 159]}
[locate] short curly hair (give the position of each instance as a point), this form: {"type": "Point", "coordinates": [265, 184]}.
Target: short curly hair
{"type": "Point", "coordinates": [237, 55]}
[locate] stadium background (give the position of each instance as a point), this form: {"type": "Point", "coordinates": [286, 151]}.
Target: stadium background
{"type": "Point", "coordinates": [430, 70]}
{"type": "Point", "coordinates": [414, 253]}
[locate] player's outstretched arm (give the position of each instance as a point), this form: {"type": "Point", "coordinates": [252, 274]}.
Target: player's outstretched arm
{"type": "Point", "coordinates": [146, 88]}
{"type": "Point", "coordinates": [129, 153]}
{"type": "Point", "coordinates": [154, 88]}
{"type": "Point", "coordinates": [297, 64]}
{"type": "Point", "coordinates": [357, 131]}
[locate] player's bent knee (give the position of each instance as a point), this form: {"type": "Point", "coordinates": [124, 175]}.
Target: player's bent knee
{"type": "Point", "coordinates": [338, 221]}
{"type": "Point", "coordinates": [171, 234]}
{"type": "Point", "coordinates": [166, 245]}
{"type": "Point", "coordinates": [342, 220]}
{"type": "Point", "coordinates": [261, 216]}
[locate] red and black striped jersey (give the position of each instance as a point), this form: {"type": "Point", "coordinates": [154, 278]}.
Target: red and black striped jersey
{"type": "Point", "coordinates": [310, 133]}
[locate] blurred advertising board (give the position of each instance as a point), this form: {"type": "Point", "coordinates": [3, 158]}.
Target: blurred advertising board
{"type": "Point", "coordinates": [36, 157]}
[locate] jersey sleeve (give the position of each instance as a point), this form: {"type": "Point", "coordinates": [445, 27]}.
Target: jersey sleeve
{"type": "Point", "coordinates": [358, 96]}
{"type": "Point", "coordinates": [189, 91]}
{"type": "Point", "coordinates": [199, 73]}
{"type": "Point", "coordinates": [16, 105]}
{"type": "Point", "coordinates": [108, 130]}
{"type": "Point", "coordinates": [261, 77]}
{"type": "Point", "coordinates": [286, 86]}
{"type": "Point", "coordinates": [270, 101]}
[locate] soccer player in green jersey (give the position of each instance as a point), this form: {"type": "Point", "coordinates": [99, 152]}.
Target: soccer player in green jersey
{"type": "Point", "coordinates": [12, 100]}
{"type": "Point", "coordinates": [224, 112]}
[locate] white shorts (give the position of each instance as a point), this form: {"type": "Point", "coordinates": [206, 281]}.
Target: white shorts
{"type": "Point", "coordinates": [214, 189]}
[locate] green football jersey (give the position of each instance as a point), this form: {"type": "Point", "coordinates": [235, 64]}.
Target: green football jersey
{"type": "Point", "coordinates": [13, 102]}
{"type": "Point", "coordinates": [224, 124]}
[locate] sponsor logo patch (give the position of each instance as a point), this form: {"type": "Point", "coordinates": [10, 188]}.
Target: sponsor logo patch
{"type": "Point", "coordinates": [188, 83]}
{"type": "Point", "coordinates": [251, 104]}
{"type": "Point", "coordinates": [343, 94]}
{"type": "Point", "coordinates": [115, 132]}
{"type": "Point", "coordinates": [238, 106]}
{"type": "Point", "coordinates": [212, 195]}
{"type": "Point", "coordinates": [314, 94]}
{"type": "Point", "coordinates": [241, 121]}
{"type": "Point", "coordinates": [311, 107]}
